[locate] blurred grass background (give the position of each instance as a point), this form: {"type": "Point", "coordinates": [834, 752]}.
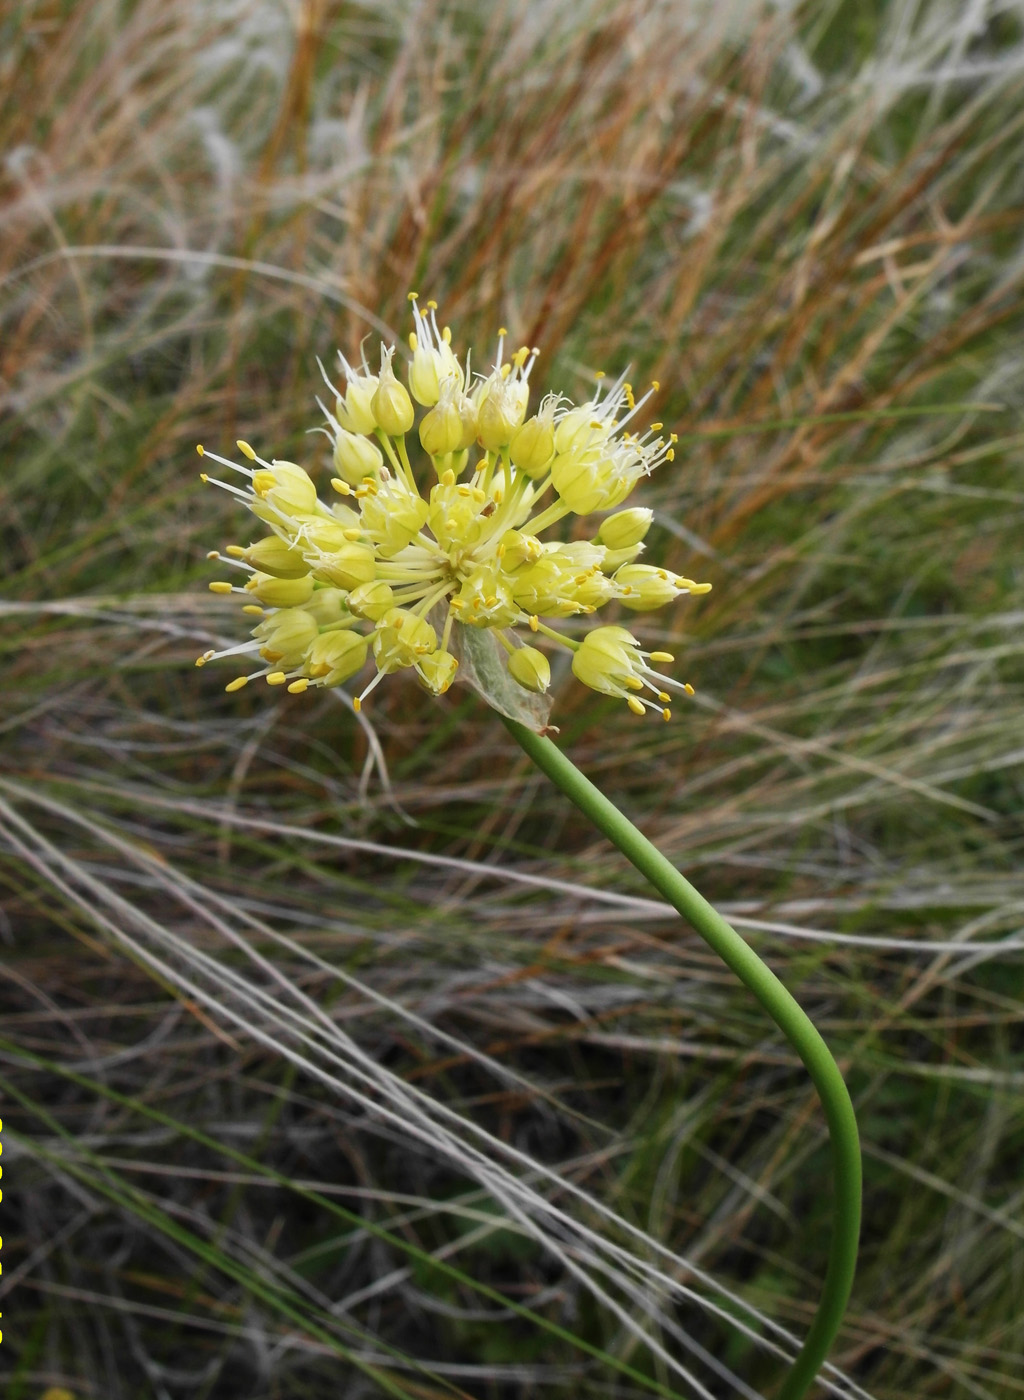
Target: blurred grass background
{"type": "Point", "coordinates": [340, 1058]}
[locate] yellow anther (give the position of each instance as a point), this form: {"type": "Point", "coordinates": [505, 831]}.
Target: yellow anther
{"type": "Point", "coordinates": [342, 487]}
{"type": "Point", "coordinates": [490, 602]}
{"type": "Point", "coordinates": [200, 449]}
{"type": "Point", "coordinates": [220, 587]}
{"type": "Point", "coordinates": [253, 609]}
{"type": "Point", "coordinates": [634, 704]}
{"type": "Point", "coordinates": [503, 330]}
{"type": "Point", "coordinates": [213, 554]}
{"type": "Point", "coordinates": [448, 477]}
{"type": "Point", "coordinates": [413, 296]}
{"type": "Point", "coordinates": [297, 687]}
{"type": "Point", "coordinates": [457, 604]}
{"type": "Point", "coordinates": [655, 385]}
{"type": "Point", "coordinates": [236, 684]}
{"type": "Point", "coordinates": [662, 656]}
{"type": "Point", "coordinates": [506, 369]}
{"type": "Point", "coordinates": [432, 305]}
{"type": "Point", "coordinates": [663, 697]}
{"type": "Point", "coordinates": [673, 437]}
{"type": "Point", "coordinates": [632, 682]}
{"type": "Point", "coordinates": [534, 623]}
{"type": "Point", "coordinates": [666, 714]}
{"type": "Point", "coordinates": [599, 374]}
{"type": "Point", "coordinates": [276, 678]}
{"type": "Point", "coordinates": [657, 427]}
{"type": "Point", "coordinates": [689, 688]}
{"type": "Point", "coordinates": [464, 490]}
{"type": "Point", "coordinates": [412, 340]}
{"type": "Point", "coordinates": [446, 335]}
{"type": "Point", "coordinates": [246, 450]}
{"type": "Point", "coordinates": [203, 478]}
{"type": "Point", "coordinates": [234, 550]}
{"type": "Point", "coordinates": [357, 704]}
{"type": "Point", "coordinates": [670, 455]}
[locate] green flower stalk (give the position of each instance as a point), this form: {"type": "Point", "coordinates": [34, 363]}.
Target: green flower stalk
{"type": "Point", "coordinates": [444, 581]}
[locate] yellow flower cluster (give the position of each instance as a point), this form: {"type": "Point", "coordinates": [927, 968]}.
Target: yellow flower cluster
{"type": "Point", "coordinates": [381, 571]}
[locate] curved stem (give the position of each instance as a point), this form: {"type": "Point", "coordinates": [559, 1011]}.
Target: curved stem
{"type": "Point", "coordinates": [784, 1010]}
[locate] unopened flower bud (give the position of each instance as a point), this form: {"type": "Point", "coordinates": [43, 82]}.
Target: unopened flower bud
{"type": "Point", "coordinates": [328, 605]}
{"type": "Point", "coordinates": [441, 430]}
{"type": "Point", "coordinates": [517, 549]}
{"type": "Point", "coordinates": [501, 409]}
{"type": "Point", "coordinates": [576, 430]}
{"type": "Point", "coordinates": [356, 457]}
{"type": "Point", "coordinates": [280, 592]}
{"type": "Point", "coordinates": [372, 599]}
{"type": "Point", "coordinates": [437, 671]}
{"type": "Point", "coordinates": [533, 446]}
{"type": "Point", "coordinates": [355, 411]}
{"type": "Point", "coordinates": [530, 668]}
{"type": "Point", "coordinates": [391, 404]}
{"type": "Point", "coordinates": [275, 556]}
{"type": "Point", "coordinates": [336, 656]}
{"type": "Point", "coordinates": [347, 567]}
{"type": "Point", "coordinates": [625, 527]}
{"type": "Point", "coordinates": [424, 373]}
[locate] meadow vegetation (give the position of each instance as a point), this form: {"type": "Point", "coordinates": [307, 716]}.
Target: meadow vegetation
{"type": "Point", "coordinates": [338, 1056]}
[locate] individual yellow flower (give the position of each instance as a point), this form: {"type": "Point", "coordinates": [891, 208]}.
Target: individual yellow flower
{"type": "Point", "coordinates": [610, 660]}
{"type": "Point", "coordinates": [433, 360]}
{"type": "Point", "coordinates": [414, 569]}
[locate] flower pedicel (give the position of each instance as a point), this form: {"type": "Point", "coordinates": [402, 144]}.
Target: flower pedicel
{"type": "Point", "coordinates": [387, 574]}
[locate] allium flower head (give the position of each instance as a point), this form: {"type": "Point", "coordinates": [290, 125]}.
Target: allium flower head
{"type": "Point", "coordinates": [442, 570]}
